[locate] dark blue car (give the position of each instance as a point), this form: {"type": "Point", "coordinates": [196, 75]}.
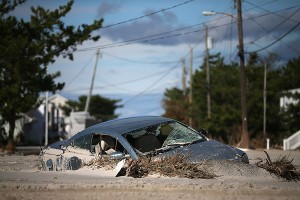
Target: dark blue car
{"type": "Point", "coordinates": [132, 137]}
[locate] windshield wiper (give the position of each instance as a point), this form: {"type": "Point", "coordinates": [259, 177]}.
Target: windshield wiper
{"type": "Point", "coordinates": [175, 144]}
{"type": "Point", "coordinates": [184, 144]}
{"type": "Point", "coordinates": [194, 142]}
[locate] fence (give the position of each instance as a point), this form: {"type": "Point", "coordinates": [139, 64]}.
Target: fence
{"type": "Point", "coordinates": [293, 142]}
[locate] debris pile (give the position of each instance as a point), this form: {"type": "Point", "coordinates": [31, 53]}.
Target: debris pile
{"type": "Point", "coordinates": [103, 162]}
{"type": "Point", "coordinates": [282, 167]}
{"type": "Point", "coordinates": [170, 166]}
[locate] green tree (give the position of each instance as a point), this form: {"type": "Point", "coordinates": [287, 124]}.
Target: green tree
{"type": "Point", "coordinates": [27, 48]}
{"type": "Point", "coordinates": [280, 79]}
{"type": "Point", "coordinates": [289, 79]}
{"type": "Point", "coordinates": [225, 100]}
{"type": "Point", "coordinates": [255, 90]}
{"type": "Point", "coordinates": [100, 107]}
{"type": "Point", "coordinates": [289, 75]}
{"type": "Point", "coordinates": [225, 121]}
{"type": "Point", "coordinates": [176, 104]}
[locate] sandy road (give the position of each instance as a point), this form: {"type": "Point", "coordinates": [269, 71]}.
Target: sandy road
{"type": "Point", "coordinates": [21, 179]}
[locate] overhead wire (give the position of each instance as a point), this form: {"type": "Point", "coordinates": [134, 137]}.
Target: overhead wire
{"type": "Point", "coordinates": [80, 71]}
{"type": "Point", "coordinates": [269, 32]}
{"type": "Point", "coordinates": [164, 75]}
{"type": "Point", "coordinates": [285, 59]}
{"type": "Point", "coordinates": [138, 61]}
{"type": "Point", "coordinates": [197, 44]}
{"type": "Point", "coordinates": [126, 43]}
{"type": "Point", "coordinates": [274, 28]}
{"type": "Point", "coordinates": [152, 85]}
{"type": "Point", "coordinates": [147, 15]}
{"type": "Point", "coordinates": [259, 6]}
{"type": "Point", "coordinates": [163, 33]}
{"type": "Point", "coordinates": [165, 37]}
{"type": "Point", "coordinates": [277, 40]}
{"type": "Point", "coordinates": [126, 82]}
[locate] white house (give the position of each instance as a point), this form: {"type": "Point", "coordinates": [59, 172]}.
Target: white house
{"type": "Point", "coordinates": [34, 133]}
{"type": "Point", "coordinates": [285, 101]}
{"type": "Point", "coordinates": [292, 142]}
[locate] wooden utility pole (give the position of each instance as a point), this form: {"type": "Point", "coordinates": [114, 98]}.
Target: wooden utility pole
{"type": "Point", "coordinates": [183, 80]}
{"type": "Point", "coordinates": [207, 74]}
{"type": "Point", "coordinates": [245, 135]}
{"type": "Point", "coordinates": [46, 118]}
{"type": "Point", "coordinates": [191, 84]}
{"type": "Point", "coordinates": [265, 100]}
{"type": "Point", "coordinates": [87, 103]}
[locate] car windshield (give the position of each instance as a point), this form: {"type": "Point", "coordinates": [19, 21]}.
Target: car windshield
{"type": "Point", "coordinates": [163, 136]}
{"type": "Point", "coordinates": [179, 135]}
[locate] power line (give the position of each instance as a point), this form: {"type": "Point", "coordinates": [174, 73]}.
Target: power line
{"type": "Point", "coordinates": [152, 85]}
{"type": "Point", "coordinates": [80, 72]}
{"type": "Point", "coordinates": [274, 28]}
{"type": "Point", "coordinates": [126, 43]}
{"type": "Point", "coordinates": [259, 6]}
{"type": "Point", "coordinates": [163, 33]}
{"type": "Point", "coordinates": [147, 15]}
{"type": "Point", "coordinates": [126, 82]}
{"type": "Point", "coordinates": [276, 40]}
{"type": "Point", "coordinates": [119, 44]}
{"type": "Point", "coordinates": [138, 61]}
{"type": "Point", "coordinates": [270, 52]}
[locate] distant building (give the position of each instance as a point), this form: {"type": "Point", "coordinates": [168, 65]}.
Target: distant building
{"type": "Point", "coordinates": [285, 101]}
{"type": "Point", "coordinates": [34, 133]}
{"type": "Point", "coordinates": [30, 128]}
{"type": "Point", "coordinates": [78, 121]}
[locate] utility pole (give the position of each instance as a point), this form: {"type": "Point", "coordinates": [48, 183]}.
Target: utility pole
{"type": "Point", "coordinates": [245, 135]}
{"type": "Point", "coordinates": [207, 74]}
{"type": "Point", "coordinates": [183, 80]}
{"type": "Point", "coordinates": [265, 100]}
{"type": "Point", "coordinates": [46, 119]}
{"type": "Point", "coordinates": [87, 104]}
{"type": "Point", "coordinates": [191, 84]}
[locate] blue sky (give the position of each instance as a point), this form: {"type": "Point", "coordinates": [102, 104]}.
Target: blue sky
{"type": "Point", "coordinates": [139, 72]}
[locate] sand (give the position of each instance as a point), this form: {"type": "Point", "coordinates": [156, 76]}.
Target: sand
{"type": "Point", "coordinates": [20, 178]}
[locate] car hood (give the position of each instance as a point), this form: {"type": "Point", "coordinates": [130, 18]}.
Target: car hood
{"type": "Point", "coordinates": [208, 150]}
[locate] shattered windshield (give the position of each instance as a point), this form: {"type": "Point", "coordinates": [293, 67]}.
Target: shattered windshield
{"type": "Point", "coordinates": [180, 134]}
{"type": "Point", "coordinates": [158, 136]}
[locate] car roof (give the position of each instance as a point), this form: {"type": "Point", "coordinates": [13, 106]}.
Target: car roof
{"type": "Point", "coordinates": [118, 127]}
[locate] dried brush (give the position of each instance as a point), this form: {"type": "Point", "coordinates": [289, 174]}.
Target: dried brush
{"type": "Point", "coordinates": [170, 166]}
{"type": "Point", "coordinates": [282, 167]}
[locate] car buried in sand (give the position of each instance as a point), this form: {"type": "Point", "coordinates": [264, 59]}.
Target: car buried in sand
{"type": "Point", "coordinates": [131, 138]}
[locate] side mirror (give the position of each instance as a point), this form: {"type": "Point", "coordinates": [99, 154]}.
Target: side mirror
{"type": "Point", "coordinates": [203, 132]}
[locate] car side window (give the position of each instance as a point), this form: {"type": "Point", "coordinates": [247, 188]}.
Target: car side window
{"type": "Point", "coordinates": [83, 142]}
{"type": "Point", "coordinates": [106, 144]}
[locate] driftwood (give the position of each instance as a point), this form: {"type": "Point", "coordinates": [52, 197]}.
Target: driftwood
{"type": "Point", "coordinates": [171, 166]}
{"type": "Point", "coordinates": [282, 167]}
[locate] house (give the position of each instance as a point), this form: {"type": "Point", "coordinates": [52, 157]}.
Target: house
{"type": "Point", "coordinates": [292, 142]}
{"type": "Point", "coordinates": [34, 133]}
{"type": "Point", "coordinates": [30, 129]}
{"type": "Point", "coordinates": [285, 101]}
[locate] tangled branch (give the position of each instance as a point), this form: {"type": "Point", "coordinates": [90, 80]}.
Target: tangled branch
{"type": "Point", "coordinates": [171, 166]}
{"type": "Point", "coordinates": [282, 168]}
